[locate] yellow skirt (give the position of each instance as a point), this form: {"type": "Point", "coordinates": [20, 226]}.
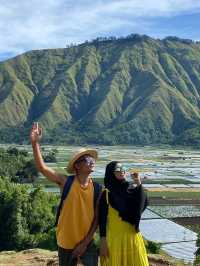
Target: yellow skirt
{"type": "Point", "coordinates": [126, 246]}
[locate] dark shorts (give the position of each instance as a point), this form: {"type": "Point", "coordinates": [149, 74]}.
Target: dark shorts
{"type": "Point", "coordinates": [89, 258]}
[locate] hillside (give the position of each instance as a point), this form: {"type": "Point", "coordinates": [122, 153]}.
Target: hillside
{"type": "Point", "coordinates": [134, 90]}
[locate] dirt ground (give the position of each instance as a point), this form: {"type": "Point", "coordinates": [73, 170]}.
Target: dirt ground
{"type": "Point", "coordinates": [38, 257]}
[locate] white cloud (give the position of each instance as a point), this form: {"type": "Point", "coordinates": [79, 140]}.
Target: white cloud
{"type": "Point", "coordinates": [37, 24]}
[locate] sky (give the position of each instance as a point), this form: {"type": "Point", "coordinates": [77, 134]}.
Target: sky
{"type": "Point", "coordinates": [44, 24]}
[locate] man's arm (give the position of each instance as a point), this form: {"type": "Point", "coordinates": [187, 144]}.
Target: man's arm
{"type": "Point", "coordinates": [35, 135]}
{"type": "Point", "coordinates": [93, 227]}
{"type": "Point", "coordinates": [80, 249]}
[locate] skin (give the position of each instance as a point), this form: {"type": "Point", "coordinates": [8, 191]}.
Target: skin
{"type": "Point", "coordinates": [83, 170]}
{"type": "Point", "coordinates": [120, 175]}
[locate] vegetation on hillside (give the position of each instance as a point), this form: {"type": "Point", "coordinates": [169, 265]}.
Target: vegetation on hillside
{"type": "Point", "coordinates": [134, 90]}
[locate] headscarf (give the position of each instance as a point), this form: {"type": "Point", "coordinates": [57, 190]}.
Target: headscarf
{"type": "Point", "coordinates": [110, 181]}
{"type": "Point", "coordinates": [128, 200]}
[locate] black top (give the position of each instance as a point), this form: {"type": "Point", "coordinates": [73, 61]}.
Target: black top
{"type": "Point", "coordinates": [128, 200]}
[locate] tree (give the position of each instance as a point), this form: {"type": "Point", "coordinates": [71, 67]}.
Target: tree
{"type": "Point", "coordinates": [51, 156]}
{"type": "Point", "coordinates": [28, 173]}
{"type": "Point", "coordinates": [17, 166]}
{"type": "Point", "coordinates": [26, 218]}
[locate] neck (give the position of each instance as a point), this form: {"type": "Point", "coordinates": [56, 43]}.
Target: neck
{"type": "Point", "coordinates": [82, 178]}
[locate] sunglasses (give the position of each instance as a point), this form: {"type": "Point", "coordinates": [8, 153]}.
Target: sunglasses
{"type": "Point", "coordinates": [87, 159]}
{"type": "Point", "coordinates": [120, 168]}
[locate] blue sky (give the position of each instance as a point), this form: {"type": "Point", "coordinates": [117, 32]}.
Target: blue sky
{"type": "Point", "coordinates": [39, 24]}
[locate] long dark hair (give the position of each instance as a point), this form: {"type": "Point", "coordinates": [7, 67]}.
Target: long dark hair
{"type": "Point", "coordinates": [110, 181]}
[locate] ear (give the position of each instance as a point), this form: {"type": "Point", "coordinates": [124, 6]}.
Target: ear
{"type": "Point", "coordinates": [76, 166]}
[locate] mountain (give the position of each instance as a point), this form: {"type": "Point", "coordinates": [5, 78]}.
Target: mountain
{"type": "Point", "coordinates": [133, 90]}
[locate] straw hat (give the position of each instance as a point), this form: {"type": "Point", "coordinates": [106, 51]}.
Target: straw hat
{"type": "Point", "coordinates": [77, 154]}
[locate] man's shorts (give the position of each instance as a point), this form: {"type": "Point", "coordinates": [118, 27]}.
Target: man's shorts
{"type": "Point", "coordinates": [89, 258]}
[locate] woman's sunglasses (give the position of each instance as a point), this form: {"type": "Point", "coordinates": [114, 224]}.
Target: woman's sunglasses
{"type": "Point", "coordinates": [120, 168]}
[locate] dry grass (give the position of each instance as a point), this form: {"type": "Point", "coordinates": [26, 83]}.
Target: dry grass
{"type": "Point", "coordinates": [40, 257]}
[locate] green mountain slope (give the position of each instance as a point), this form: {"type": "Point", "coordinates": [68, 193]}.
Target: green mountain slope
{"type": "Point", "coordinates": [135, 90]}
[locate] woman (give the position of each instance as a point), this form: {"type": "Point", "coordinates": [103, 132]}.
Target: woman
{"type": "Point", "coordinates": [120, 209]}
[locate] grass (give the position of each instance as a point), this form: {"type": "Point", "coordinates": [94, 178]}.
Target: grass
{"type": "Point", "coordinates": [175, 194]}
{"type": "Point", "coordinates": [193, 227]}
{"type": "Point", "coordinates": [170, 181]}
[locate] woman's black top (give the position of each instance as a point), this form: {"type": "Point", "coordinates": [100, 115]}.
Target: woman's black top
{"type": "Point", "coordinates": [128, 200]}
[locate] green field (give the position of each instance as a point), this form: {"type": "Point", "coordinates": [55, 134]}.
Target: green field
{"type": "Point", "coordinates": [170, 194]}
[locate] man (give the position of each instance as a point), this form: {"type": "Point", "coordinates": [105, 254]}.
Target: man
{"type": "Point", "coordinates": [77, 221]}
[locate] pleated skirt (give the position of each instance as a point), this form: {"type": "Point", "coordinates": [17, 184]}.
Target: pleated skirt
{"type": "Point", "coordinates": [126, 246]}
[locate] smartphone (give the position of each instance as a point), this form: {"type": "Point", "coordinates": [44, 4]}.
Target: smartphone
{"type": "Point", "coordinates": [36, 125]}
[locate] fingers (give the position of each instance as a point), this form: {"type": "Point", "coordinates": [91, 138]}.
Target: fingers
{"type": "Point", "coordinates": [36, 128]}
{"type": "Point", "coordinates": [79, 251]}
{"type": "Point", "coordinates": [136, 175]}
{"type": "Point", "coordinates": [105, 253]}
{"type": "Point", "coordinates": [136, 178]}
{"type": "Point", "coordinates": [40, 131]}
{"type": "Point", "coordinates": [104, 250]}
{"type": "Point", "coordinates": [137, 181]}
{"type": "Point", "coordinates": [35, 133]}
{"type": "Point", "coordinates": [35, 125]}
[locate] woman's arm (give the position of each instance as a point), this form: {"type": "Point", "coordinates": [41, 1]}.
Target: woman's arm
{"type": "Point", "coordinates": [103, 214]}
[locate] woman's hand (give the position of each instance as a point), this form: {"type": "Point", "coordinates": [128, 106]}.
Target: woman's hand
{"type": "Point", "coordinates": [36, 133]}
{"type": "Point", "coordinates": [104, 251]}
{"type": "Point", "coordinates": [136, 179]}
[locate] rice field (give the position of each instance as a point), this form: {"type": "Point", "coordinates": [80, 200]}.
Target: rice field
{"type": "Point", "coordinates": [161, 165]}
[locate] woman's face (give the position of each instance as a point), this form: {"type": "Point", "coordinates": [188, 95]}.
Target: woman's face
{"type": "Point", "coordinates": [119, 171]}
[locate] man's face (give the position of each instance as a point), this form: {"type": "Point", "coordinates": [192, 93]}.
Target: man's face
{"type": "Point", "coordinates": [85, 164]}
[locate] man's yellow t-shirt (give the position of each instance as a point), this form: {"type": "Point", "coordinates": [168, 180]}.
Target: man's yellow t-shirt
{"type": "Point", "coordinates": [76, 215]}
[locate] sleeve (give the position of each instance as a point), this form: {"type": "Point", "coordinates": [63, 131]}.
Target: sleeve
{"type": "Point", "coordinates": [136, 204]}
{"type": "Point", "coordinates": [103, 213]}
{"type": "Point", "coordinates": [142, 200]}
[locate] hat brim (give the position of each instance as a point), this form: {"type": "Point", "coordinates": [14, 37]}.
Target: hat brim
{"type": "Point", "coordinates": [70, 167]}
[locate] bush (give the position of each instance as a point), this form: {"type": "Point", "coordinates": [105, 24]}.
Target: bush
{"type": "Point", "coordinates": [153, 247]}
{"type": "Point", "coordinates": [17, 166]}
{"type": "Point", "coordinates": [26, 218]}
{"type": "Point", "coordinates": [51, 157]}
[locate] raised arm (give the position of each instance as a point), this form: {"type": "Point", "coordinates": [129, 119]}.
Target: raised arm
{"type": "Point", "coordinates": [35, 136]}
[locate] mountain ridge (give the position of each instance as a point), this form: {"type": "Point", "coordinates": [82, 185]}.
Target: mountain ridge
{"type": "Point", "coordinates": [133, 90]}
